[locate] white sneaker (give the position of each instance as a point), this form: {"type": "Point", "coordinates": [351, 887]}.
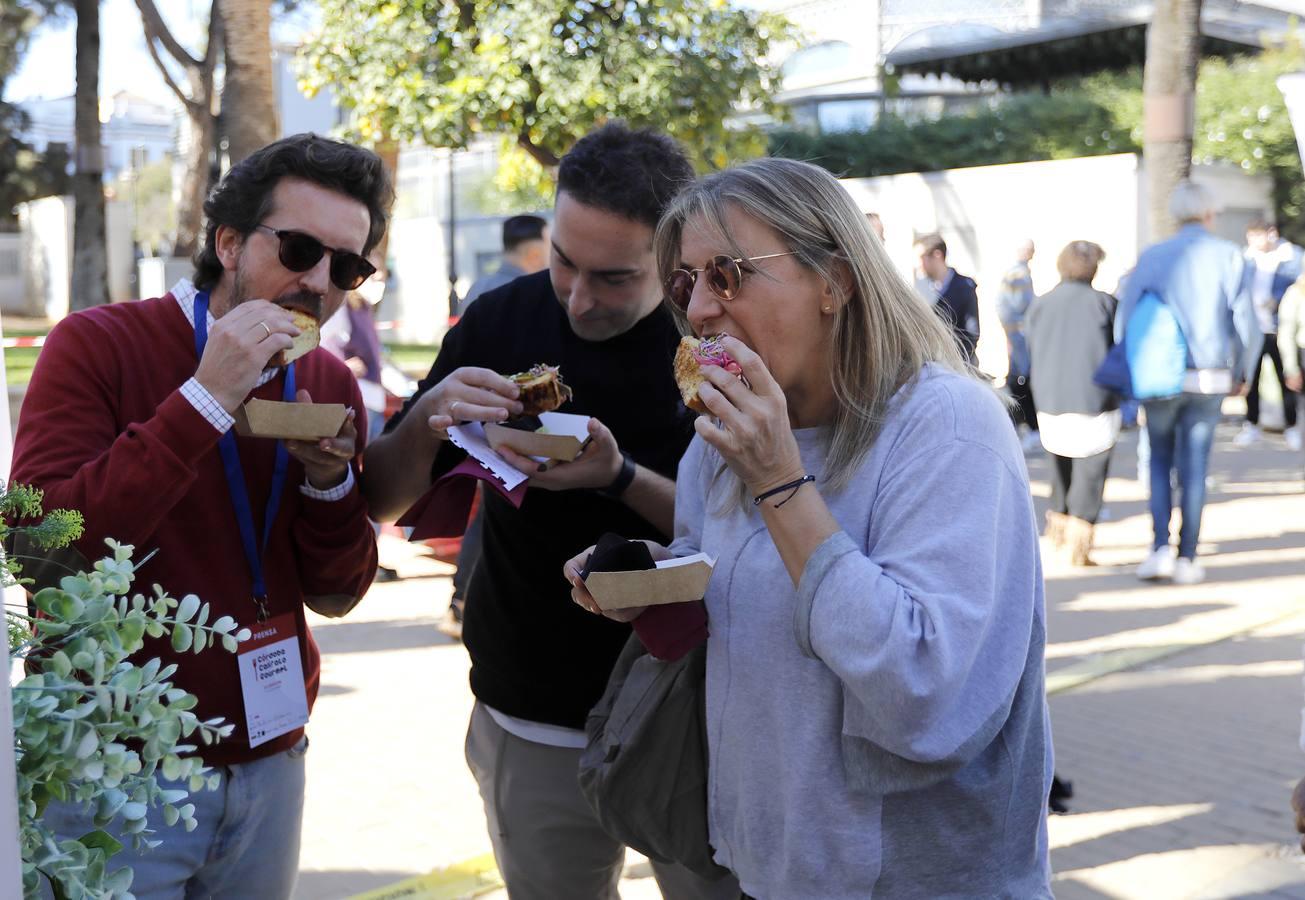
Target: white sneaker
{"type": "Point", "coordinates": [1293, 437]}
{"type": "Point", "coordinates": [1248, 435]}
{"type": "Point", "coordinates": [1160, 564]}
{"type": "Point", "coordinates": [1031, 442]}
{"type": "Point", "coordinates": [1188, 571]}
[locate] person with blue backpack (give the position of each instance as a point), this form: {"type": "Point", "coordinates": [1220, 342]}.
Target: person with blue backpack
{"type": "Point", "coordinates": [1191, 338]}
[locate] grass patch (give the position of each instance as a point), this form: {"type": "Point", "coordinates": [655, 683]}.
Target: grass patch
{"type": "Point", "coordinates": [414, 359]}
{"type": "Point", "coordinates": [19, 362]}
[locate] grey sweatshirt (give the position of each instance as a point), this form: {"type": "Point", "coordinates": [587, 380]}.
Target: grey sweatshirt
{"type": "Point", "coordinates": [882, 730]}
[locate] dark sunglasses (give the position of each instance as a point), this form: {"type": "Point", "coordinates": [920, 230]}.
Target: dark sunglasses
{"type": "Point", "coordinates": [724, 278]}
{"type": "Point", "coordinates": [299, 252]}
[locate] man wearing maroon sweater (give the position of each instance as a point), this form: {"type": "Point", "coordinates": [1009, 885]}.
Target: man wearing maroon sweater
{"type": "Point", "coordinates": [129, 418]}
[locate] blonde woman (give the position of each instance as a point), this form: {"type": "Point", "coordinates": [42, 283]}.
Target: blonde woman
{"type": "Point", "coordinates": [875, 712]}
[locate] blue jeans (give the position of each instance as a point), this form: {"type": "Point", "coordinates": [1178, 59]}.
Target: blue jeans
{"type": "Point", "coordinates": [1181, 433]}
{"type": "Point", "coordinates": [246, 843]}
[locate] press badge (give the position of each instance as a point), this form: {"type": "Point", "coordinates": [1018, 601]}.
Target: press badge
{"type": "Point", "coordinates": [272, 680]}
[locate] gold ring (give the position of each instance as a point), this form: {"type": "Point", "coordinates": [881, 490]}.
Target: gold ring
{"type": "Point", "coordinates": [265, 328]}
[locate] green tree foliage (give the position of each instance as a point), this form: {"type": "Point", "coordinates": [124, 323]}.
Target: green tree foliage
{"type": "Point", "coordinates": [545, 72]}
{"type": "Point", "coordinates": [25, 174]}
{"type": "Point", "coordinates": [1241, 119]}
{"type": "Point", "coordinates": [92, 726]}
{"type": "Point", "coordinates": [1063, 124]}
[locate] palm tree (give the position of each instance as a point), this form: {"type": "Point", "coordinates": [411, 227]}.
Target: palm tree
{"type": "Point", "coordinates": [248, 91]}
{"type": "Point", "coordinates": [90, 279]}
{"type": "Point", "coordinates": [1173, 44]}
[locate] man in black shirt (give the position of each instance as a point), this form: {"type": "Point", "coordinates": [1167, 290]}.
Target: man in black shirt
{"type": "Point", "coordinates": [539, 662]}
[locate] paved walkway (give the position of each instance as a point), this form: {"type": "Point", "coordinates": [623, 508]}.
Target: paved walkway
{"type": "Point", "coordinates": [1182, 762]}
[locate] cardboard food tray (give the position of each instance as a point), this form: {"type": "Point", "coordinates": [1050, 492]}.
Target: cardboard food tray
{"type": "Point", "coordinates": [290, 421]}
{"type": "Point", "coordinates": [673, 581]}
{"type": "Point", "coordinates": [562, 437]}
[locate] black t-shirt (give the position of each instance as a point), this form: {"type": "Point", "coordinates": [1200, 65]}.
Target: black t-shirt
{"type": "Point", "coordinates": [534, 653]}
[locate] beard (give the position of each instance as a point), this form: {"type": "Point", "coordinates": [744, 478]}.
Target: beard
{"type": "Point", "coordinates": [306, 301]}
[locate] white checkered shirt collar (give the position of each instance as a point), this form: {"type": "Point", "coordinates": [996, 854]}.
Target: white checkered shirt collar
{"type": "Point", "coordinates": [184, 292]}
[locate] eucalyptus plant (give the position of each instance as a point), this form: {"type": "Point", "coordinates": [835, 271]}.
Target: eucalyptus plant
{"type": "Point", "coordinates": [93, 726]}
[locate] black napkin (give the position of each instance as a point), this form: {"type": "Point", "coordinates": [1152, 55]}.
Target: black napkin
{"type": "Point", "coordinates": [615, 554]}
{"type": "Point", "coordinates": [524, 423]}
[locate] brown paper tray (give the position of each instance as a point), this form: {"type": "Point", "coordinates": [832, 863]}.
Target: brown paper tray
{"type": "Point", "coordinates": [551, 445]}
{"type": "Point", "coordinates": [681, 583]}
{"type": "Point", "coordinates": [290, 421]}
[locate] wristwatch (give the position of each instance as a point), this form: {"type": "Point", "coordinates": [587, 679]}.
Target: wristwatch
{"type": "Point", "coordinates": [623, 478]}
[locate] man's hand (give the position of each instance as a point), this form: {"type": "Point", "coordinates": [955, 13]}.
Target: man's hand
{"type": "Point", "coordinates": [325, 462]}
{"type": "Point", "coordinates": [239, 347]}
{"type": "Point", "coordinates": [1240, 389]}
{"type": "Point", "coordinates": [1296, 382]}
{"type": "Point", "coordinates": [468, 394]}
{"type": "Point", "coordinates": [595, 468]}
{"type": "Point", "coordinates": [1298, 807]}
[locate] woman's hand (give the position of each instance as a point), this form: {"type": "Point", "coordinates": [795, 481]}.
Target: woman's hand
{"type": "Point", "coordinates": [580, 594]}
{"type": "Point", "coordinates": [752, 433]}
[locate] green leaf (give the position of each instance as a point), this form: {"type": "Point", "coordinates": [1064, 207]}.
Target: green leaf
{"type": "Point", "coordinates": [87, 745]}
{"type": "Point", "coordinates": [100, 840]}
{"type": "Point", "coordinates": [181, 638]}
{"type": "Point", "coordinates": [187, 609]}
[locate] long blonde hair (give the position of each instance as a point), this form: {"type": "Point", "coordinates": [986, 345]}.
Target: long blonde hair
{"type": "Point", "coordinates": [884, 333]}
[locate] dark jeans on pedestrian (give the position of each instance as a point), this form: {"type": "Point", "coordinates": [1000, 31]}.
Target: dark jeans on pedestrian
{"type": "Point", "coordinates": [1253, 394]}
{"type": "Point", "coordinates": [1017, 381]}
{"type": "Point", "coordinates": [1077, 485]}
{"type": "Point", "coordinates": [1181, 431]}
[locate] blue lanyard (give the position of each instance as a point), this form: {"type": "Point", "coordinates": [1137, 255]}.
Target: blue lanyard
{"type": "Point", "coordinates": [236, 485]}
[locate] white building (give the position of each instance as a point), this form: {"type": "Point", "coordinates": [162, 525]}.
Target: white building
{"type": "Point", "coordinates": [134, 131]}
{"type": "Point", "coordinates": [938, 56]}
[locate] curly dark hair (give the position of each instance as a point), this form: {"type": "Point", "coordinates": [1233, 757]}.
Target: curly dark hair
{"type": "Point", "coordinates": [243, 198]}
{"type": "Point", "coordinates": [634, 174]}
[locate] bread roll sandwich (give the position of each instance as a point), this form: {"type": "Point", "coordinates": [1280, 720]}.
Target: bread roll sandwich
{"type": "Point", "coordinates": [542, 389]}
{"type": "Point", "coordinates": [691, 357]}
{"type": "Point", "coordinates": [304, 310]}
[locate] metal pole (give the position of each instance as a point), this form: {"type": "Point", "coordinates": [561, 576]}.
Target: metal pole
{"type": "Point", "coordinates": [453, 230]}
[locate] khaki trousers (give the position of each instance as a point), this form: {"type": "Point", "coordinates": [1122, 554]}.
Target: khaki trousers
{"type": "Point", "coordinates": [547, 841]}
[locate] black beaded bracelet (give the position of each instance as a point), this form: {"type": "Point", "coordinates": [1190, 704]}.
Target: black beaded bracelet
{"type": "Point", "coordinates": [791, 486]}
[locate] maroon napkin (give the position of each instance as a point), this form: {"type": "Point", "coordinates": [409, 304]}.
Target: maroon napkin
{"type": "Point", "coordinates": [442, 511]}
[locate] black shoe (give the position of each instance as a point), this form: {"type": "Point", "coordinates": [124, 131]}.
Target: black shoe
{"type": "Point", "coordinates": [1060, 792]}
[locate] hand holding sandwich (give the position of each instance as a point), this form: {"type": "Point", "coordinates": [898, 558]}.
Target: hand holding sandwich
{"type": "Point", "coordinates": [752, 430]}
{"type": "Point", "coordinates": [326, 461]}
{"type": "Point", "coordinates": [468, 394]}
{"type": "Point", "coordinates": [240, 345]}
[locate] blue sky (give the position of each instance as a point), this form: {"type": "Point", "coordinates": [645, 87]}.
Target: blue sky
{"type": "Point", "coordinates": [48, 68]}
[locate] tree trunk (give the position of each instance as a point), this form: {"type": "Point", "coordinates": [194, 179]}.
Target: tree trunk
{"type": "Point", "coordinates": [249, 92]}
{"type": "Point", "coordinates": [1173, 43]}
{"type": "Point", "coordinates": [90, 277]}
{"type": "Point", "coordinates": [197, 163]}
{"type": "Point", "coordinates": [197, 99]}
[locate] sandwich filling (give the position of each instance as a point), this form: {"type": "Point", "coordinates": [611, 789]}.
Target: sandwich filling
{"type": "Point", "coordinates": [305, 310]}
{"type": "Point", "coordinates": [542, 389]}
{"type": "Point", "coordinates": [691, 357]}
